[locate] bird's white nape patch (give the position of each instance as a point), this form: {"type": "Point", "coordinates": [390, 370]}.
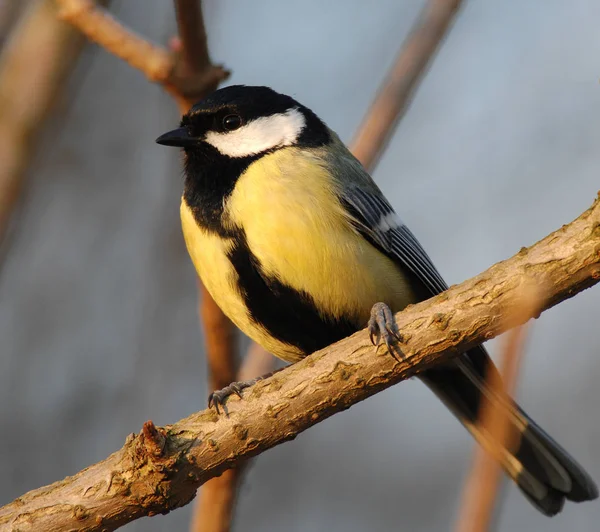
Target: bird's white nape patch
{"type": "Point", "coordinates": [259, 135]}
{"type": "Point", "coordinates": [389, 221]}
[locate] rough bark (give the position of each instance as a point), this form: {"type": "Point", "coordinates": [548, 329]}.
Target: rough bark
{"type": "Point", "coordinates": [160, 469]}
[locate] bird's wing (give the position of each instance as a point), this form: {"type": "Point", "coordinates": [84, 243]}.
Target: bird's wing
{"type": "Point", "coordinates": [375, 219]}
{"type": "Point", "coordinates": [540, 467]}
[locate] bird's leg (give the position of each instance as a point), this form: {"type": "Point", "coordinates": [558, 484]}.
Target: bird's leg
{"type": "Point", "coordinates": [219, 397]}
{"type": "Point", "coordinates": [382, 326]}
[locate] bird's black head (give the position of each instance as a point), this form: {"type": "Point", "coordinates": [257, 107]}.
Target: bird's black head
{"type": "Point", "coordinates": [224, 133]}
{"type": "Point", "coordinates": [242, 121]}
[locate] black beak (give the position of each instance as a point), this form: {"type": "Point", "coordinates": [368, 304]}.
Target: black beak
{"type": "Point", "coordinates": [178, 137]}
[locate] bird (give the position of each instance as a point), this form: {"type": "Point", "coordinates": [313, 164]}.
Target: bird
{"type": "Point", "coordinates": [299, 247]}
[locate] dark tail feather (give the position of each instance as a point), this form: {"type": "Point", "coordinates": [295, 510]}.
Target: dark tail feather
{"type": "Point", "coordinates": [542, 469]}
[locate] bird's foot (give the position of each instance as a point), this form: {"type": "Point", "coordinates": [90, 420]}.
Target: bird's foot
{"type": "Point", "coordinates": [383, 327]}
{"type": "Point", "coordinates": [219, 397]}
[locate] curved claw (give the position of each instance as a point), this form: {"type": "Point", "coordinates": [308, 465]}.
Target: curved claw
{"type": "Point", "coordinates": [382, 325]}
{"type": "Point", "coordinates": [374, 336]}
{"type": "Point", "coordinates": [392, 331]}
{"type": "Point", "coordinates": [219, 397]}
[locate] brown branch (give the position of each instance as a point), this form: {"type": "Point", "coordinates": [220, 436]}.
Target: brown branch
{"type": "Point", "coordinates": [193, 35]}
{"type": "Point", "coordinates": [102, 28]}
{"type": "Point", "coordinates": [158, 64]}
{"type": "Point", "coordinates": [395, 95]}
{"type": "Point", "coordinates": [483, 482]}
{"type": "Point", "coordinates": [187, 73]}
{"type": "Point", "coordinates": [50, 50]}
{"type": "Point", "coordinates": [214, 508]}
{"type": "Point", "coordinates": [161, 469]}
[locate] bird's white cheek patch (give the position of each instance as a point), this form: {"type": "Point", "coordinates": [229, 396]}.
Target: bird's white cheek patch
{"type": "Point", "coordinates": [259, 135]}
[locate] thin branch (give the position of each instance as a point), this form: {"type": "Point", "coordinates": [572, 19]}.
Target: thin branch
{"type": "Point", "coordinates": [158, 64]}
{"type": "Point", "coordinates": [395, 95]}
{"type": "Point", "coordinates": [187, 73]}
{"type": "Point", "coordinates": [161, 468]}
{"type": "Point", "coordinates": [193, 35]}
{"type": "Point", "coordinates": [483, 482]}
{"type": "Point", "coordinates": [214, 508]}
{"type": "Point", "coordinates": [50, 50]}
{"type": "Point", "coordinates": [100, 26]}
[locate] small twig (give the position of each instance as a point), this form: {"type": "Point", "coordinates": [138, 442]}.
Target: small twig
{"type": "Point", "coordinates": [395, 95]}
{"type": "Point", "coordinates": [50, 50]}
{"type": "Point", "coordinates": [193, 35]}
{"type": "Point", "coordinates": [158, 64]}
{"type": "Point", "coordinates": [215, 506]}
{"type": "Point", "coordinates": [102, 28]}
{"type": "Point", "coordinates": [483, 483]}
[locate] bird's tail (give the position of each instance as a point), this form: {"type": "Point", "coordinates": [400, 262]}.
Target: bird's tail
{"type": "Point", "coordinates": [542, 469]}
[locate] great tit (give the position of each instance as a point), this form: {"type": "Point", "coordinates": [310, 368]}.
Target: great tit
{"type": "Point", "coordinates": [299, 247]}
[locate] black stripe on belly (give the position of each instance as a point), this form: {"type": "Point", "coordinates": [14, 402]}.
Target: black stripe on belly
{"type": "Point", "coordinates": [287, 314]}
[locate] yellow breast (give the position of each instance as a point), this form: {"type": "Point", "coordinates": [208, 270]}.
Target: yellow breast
{"type": "Point", "coordinates": [209, 256]}
{"type": "Point", "coordinates": [300, 235]}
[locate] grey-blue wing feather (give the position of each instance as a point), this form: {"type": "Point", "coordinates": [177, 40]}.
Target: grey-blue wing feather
{"type": "Point", "coordinates": [548, 475]}
{"type": "Point", "coordinates": [375, 218]}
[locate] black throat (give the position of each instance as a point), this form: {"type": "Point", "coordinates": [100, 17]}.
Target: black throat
{"type": "Point", "coordinates": [210, 178]}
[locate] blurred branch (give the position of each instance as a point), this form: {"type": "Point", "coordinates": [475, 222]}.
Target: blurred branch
{"type": "Point", "coordinates": [34, 66]}
{"type": "Point", "coordinates": [158, 64]}
{"type": "Point", "coordinates": [214, 508]}
{"type": "Point", "coordinates": [395, 94]}
{"type": "Point", "coordinates": [215, 505]}
{"type": "Point", "coordinates": [10, 10]}
{"type": "Point", "coordinates": [190, 22]}
{"type": "Point", "coordinates": [187, 73]}
{"type": "Point", "coordinates": [483, 482]}
{"type": "Point", "coordinates": [216, 502]}
{"type": "Point", "coordinates": [160, 469]}
{"type": "Point", "coordinates": [99, 26]}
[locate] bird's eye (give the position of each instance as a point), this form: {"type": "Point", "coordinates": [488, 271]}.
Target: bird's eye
{"type": "Point", "coordinates": [232, 122]}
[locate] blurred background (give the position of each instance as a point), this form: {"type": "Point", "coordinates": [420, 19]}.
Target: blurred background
{"type": "Point", "coordinates": [98, 303]}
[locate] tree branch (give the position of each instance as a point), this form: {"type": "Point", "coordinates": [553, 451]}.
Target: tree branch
{"type": "Point", "coordinates": [161, 468]}
{"type": "Point", "coordinates": [50, 50]}
{"type": "Point", "coordinates": [395, 94]}
{"type": "Point", "coordinates": [483, 482]}
{"type": "Point", "coordinates": [158, 64]}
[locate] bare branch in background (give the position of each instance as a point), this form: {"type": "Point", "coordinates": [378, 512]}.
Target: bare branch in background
{"type": "Point", "coordinates": [102, 28]}
{"type": "Point", "coordinates": [161, 468]}
{"type": "Point", "coordinates": [187, 73]}
{"type": "Point", "coordinates": [396, 92]}
{"type": "Point", "coordinates": [481, 489]}
{"type": "Point", "coordinates": [193, 36]}
{"type": "Point", "coordinates": [157, 63]}
{"type": "Point", "coordinates": [50, 49]}
{"type": "Point", "coordinates": [9, 13]}
{"type": "Point", "coordinates": [215, 506]}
